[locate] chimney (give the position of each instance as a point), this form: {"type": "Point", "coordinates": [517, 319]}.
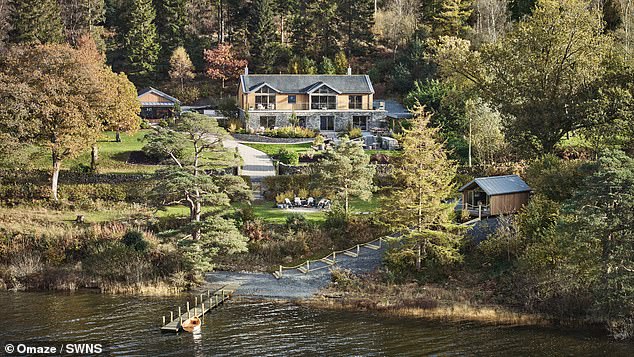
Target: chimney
{"type": "Point", "coordinates": [246, 70]}
{"type": "Point", "coordinates": [349, 71]}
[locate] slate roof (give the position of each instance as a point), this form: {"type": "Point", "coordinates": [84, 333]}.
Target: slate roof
{"type": "Point", "coordinates": [498, 185]}
{"type": "Point", "coordinates": [160, 94]}
{"type": "Point", "coordinates": [303, 83]}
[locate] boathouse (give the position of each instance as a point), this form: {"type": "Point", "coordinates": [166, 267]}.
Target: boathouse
{"type": "Point", "coordinates": [495, 195]}
{"type": "Point", "coordinates": [156, 105]}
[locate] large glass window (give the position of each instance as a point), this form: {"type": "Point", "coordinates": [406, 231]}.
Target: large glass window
{"type": "Point", "coordinates": [323, 99]}
{"type": "Point", "coordinates": [355, 102]}
{"type": "Point", "coordinates": [267, 122]}
{"type": "Point", "coordinates": [327, 123]}
{"type": "Point", "coordinates": [264, 98]}
{"type": "Point", "coordinates": [360, 122]}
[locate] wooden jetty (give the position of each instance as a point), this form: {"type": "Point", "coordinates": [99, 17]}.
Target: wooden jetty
{"type": "Point", "coordinates": [203, 303]}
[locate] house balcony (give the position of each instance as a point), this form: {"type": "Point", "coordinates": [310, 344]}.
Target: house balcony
{"type": "Point", "coordinates": [272, 107]}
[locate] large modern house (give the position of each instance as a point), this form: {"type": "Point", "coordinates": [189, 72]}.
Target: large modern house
{"type": "Point", "coordinates": [323, 102]}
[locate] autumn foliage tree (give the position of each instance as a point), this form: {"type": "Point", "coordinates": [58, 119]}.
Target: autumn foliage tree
{"type": "Point", "coordinates": [55, 96]}
{"type": "Point", "coordinates": [223, 63]}
{"type": "Point", "coordinates": [181, 67]}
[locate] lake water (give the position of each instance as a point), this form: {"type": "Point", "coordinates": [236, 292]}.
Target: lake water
{"type": "Point", "coordinates": [129, 326]}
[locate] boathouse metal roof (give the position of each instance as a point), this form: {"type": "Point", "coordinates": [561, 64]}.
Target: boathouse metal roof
{"type": "Point", "coordinates": [498, 185]}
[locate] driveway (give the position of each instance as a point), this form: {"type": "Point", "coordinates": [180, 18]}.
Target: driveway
{"type": "Point", "coordinates": [257, 164]}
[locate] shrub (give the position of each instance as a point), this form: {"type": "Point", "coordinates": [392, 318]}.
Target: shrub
{"type": "Point", "coordinates": [256, 231]}
{"type": "Point", "coordinates": [296, 222]}
{"type": "Point", "coordinates": [136, 241]}
{"type": "Point", "coordinates": [555, 178]}
{"type": "Point", "coordinates": [290, 132]}
{"type": "Point", "coordinates": [288, 157]}
{"type": "Point", "coordinates": [145, 124]}
{"type": "Point", "coordinates": [280, 197]}
{"type": "Point", "coordinates": [281, 184]}
{"type": "Point", "coordinates": [354, 133]}
{"type": "Point", "coordinates": [234, 125]}
{"type": "Point", "coordinates": [350, 132]}
{"type": "Point", "coordinates": [319, 140]}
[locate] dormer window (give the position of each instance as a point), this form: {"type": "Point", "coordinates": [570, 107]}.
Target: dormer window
{"type": "Point", "coordinates": [265, 98]}
{"type": "Point", "coordinates": [324, 98]}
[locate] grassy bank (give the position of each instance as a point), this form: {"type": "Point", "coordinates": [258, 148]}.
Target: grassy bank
{"type": "Point", "coordinates": [113, 250]}
{"type": "Point", "coordinates": [492, 315]}
{"type": "Point", "coordinates": [369, 293]}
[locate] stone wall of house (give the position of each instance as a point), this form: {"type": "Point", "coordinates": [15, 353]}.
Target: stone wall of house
{"type": "Point", "coordinates": [343, 119]}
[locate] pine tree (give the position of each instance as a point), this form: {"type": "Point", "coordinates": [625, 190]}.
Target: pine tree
{"type": "Point", "coordinates": [341, 63]}
{"type": "Point", "coordinates": [35, 22]}
{"type": "Point", "coordinates": [323, 15]}
{"type": "Point", "coordinates": [452, 18]}
{"type": "Point", "coordinates": [358, 19]}
{"type": "Point", "coordinates": [171, 20]}
{"type": "Point", "coordinates": [141, 40]}
{"type": "Point", "coordinates": [302, 35]}
{"type": "Point", "coordinates": [346, 172]}
{"type": "Point", "coordinates": [327, 67]}
{"type": "Point", "coordinates": [415, 205]}
{"type": "Point", "coordinates": [262, 34]}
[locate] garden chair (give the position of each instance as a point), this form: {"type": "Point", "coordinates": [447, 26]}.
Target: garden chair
{"type": "Point", "coordinates": [321, 203]}
{"type": "Point", "coordinates": [288, 203]}
{"type": "Point", "coordinates": [298, 202]}
{"type": "Point", "coordinates": [310, 202]}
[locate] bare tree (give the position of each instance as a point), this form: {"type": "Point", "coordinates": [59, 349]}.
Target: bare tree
{"type": "Point", "coordinates": [396, 22]}
{"type": "Point", "coordinates": [627, 20]}
{"type": "Point", "coordinates": [491, 19]}
{"type": "Point", "coordinates": [4, 20]}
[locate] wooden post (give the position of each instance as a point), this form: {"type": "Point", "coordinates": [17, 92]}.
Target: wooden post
{"type": "Point", "coordinates": [163, 320]}
{"type": "Point", "coordinates": [307, 266]}
{"type": "Point", "coordinates": [171, 316]}
{"type": "Point", "coordinates": [480, 211]}
{"type": "Point", "coordinates": [203, 312]}
{"type": "Point", "coordinates": [201, 300]}
{"type": "Point", "coordinates": [216, 295]}
{"type": "Point", "coordinates": [280, 271]}
{"type": "Point", "coordinates": [357, 250]}
{"type": "Point", "coordinates": [333, 257]}
{"type": "Point", "coordinates": [188, 313]}
{"type": "Point", "coordinates": [195, 302]}
{"type": "Point", "coordinates": [380, 240]}
{"type": "Point", "coordinates": [180, 315]}
{"type": "Point", "coordinates": [223, 295]}
{"type": "Point", "coordinates": [207, 294]}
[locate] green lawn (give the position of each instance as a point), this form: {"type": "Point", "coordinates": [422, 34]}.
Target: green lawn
{"type": "Point", "coordinates": [113, 156]}
{"type": "Point", "coordinates": [272, 149]}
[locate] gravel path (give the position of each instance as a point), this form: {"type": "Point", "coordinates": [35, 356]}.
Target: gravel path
{"type": "Point", "coordinates": [257, 164]}
{"type": "Point", "coordinates": [295, 284]}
